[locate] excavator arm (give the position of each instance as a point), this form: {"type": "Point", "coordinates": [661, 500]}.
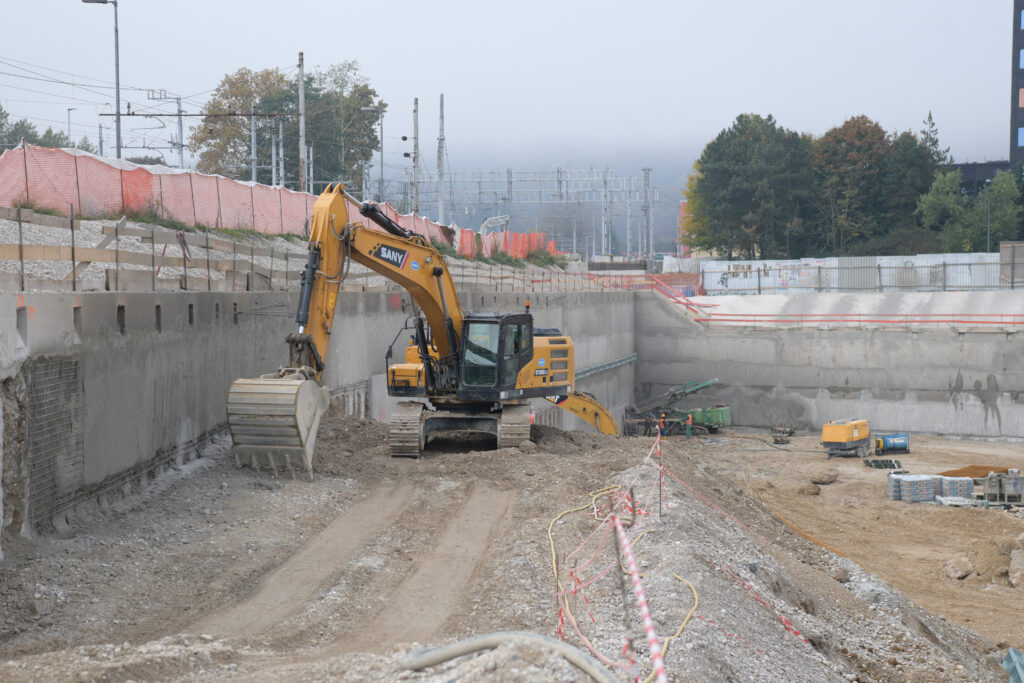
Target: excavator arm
{"type": "Point", "coordinates": [398, 254]}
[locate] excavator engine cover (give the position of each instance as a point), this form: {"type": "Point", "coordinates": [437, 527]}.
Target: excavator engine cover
{"type": "Point", "coordinates": [273, 421]}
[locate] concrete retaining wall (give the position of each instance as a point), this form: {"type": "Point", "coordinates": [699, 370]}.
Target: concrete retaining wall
{"type": "Point", "coordinates": [103, 389]}
{"type": "Point", "coordinates": [942, 381]}
{"type": "Point", "coordinates": [124, 384]}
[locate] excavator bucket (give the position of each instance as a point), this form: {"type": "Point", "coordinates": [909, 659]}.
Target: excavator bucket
{"type": "Point", "coordinates": [584, 405]}
{"type": "Point", "coordinates": [274, 420]}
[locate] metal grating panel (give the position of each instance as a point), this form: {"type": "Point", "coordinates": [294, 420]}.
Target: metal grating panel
{"type": "Point", "coordinates": [56, 447]}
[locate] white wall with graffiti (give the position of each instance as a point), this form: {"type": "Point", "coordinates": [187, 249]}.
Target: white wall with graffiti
{"type": "Point", "coordinates": [920, 273]}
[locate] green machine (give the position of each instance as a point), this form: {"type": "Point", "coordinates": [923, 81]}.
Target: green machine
{"type": "Point", "coordinates": [705, 420]}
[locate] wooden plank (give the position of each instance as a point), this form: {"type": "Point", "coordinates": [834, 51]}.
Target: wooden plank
{"type": "Point", "coordinates": [193, 239]}
{"type": "Point", "coordinates": [107, 239]}
{"type": "Point", "coordinates": [100, 254]}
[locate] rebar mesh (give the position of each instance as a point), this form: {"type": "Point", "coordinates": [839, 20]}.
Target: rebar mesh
{"type": "Point", "coordinates": [56, 446]}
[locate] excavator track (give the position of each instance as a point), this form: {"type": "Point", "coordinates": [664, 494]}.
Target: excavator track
{"type": "Point", "coordinates": [514, 427]}
{"type": "Point", "coordinates": [407, 430]}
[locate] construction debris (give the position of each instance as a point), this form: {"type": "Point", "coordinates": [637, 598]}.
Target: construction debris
{"type": "Point", "coordinates": [782, 434]}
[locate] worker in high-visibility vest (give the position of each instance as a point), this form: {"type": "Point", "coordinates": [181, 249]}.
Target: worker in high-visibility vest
{"type": "Point", "coordinates": [661, 425]}
{"type": "Point", "coordinates": [689, 425]}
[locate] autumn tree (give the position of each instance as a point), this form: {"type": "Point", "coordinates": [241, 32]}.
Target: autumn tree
{"type": "Point", "coordinates": [848, 164]}
{"type": "Point", "coordinates": [342, 135]}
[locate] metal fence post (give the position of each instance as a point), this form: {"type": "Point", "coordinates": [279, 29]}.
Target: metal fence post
{"type": "Point", "coordinates": [21, 250]}
{"type": "Point", "coordinates": [117, 256]}
{"type": "Point", "coordinates": [758, 280]}
{"type": "Point", "coordinates": [209, 280]}
{"type": "Point", "coordinates": [1013, 266]}
{"type": "Point", "coordinates": [74, 268]}
{"type": "Point", "coordinates": [879, 277]}
{"type": "Point", "coordinates": [943, 276]}
{"type": "Point", "coordinates": [152, 241]}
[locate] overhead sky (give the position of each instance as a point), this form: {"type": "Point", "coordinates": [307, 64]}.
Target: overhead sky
{"type": "Point", "coordinates": [538, 84]}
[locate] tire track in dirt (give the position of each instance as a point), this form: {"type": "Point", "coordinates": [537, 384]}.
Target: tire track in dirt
{"type": "Point", "coordinates": [289, 588]}
{"type": "Point", "coordinates": [422, 603]}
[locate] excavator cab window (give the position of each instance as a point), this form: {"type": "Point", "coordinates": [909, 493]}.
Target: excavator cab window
{"type": "Point", "coordinates": [480, 364]}
{"type": "Point", "coordinates": [517, 349]}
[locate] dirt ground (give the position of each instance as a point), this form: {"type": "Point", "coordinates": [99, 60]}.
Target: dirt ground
{"type": "Point", "coordinates": [906, 544]}
{"type": "Point", "coordinates": [216, 572]}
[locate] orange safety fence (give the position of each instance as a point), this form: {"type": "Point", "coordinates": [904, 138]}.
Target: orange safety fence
{"type": "Point", "coordinates": [95, 186]}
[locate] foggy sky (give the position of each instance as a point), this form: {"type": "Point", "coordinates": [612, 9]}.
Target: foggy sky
{"type": "Point", "coordinates": [542, 84]}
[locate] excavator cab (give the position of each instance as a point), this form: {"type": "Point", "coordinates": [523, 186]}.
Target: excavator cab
{"type": "Point", "coordinates": [495, 349]}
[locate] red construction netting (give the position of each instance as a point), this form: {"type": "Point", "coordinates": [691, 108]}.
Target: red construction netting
{"type": "Point", "coordinates": [52, 178]}
{"type": "Point", "coordinates": [12, 177]}
{"type": "Point", "coordinates": [466, 243]}
{"type": "Point", "coordinates": [175, 197]}
{"type": "Point", "coordinates": [266, 208]}
{"type": "Point", "coordinates": [104, 195]}
{"type": "Point", "coordinates": [95, 186]}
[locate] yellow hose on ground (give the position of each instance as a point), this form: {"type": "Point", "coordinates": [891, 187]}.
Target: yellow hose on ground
{"type": "Point", "coordinates": [594, 495]}
{"type": "Point", "coordinates": [696, 601]}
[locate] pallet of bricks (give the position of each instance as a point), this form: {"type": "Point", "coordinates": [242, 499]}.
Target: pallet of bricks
{"type": "Point", "coordinates": [920, 488]}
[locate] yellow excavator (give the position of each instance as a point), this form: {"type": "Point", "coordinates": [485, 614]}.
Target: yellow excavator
{"type": "Point", "coordinates": [463, 371]}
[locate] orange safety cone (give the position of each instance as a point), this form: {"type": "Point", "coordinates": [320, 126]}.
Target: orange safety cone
{"type": "Point", "coordinates": [533, 416]}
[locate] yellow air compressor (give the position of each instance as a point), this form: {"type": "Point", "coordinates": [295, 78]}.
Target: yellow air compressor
{"type": "Point", "coordinates": [846, 438]}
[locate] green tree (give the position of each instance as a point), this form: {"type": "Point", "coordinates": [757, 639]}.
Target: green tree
{"type": "Point", "coordinates": [85, 145]}
{"type": "Point", "coordinates": [966, 223]}
{"type": "Point", "coordinates": [944, 208]}
{"type": "Point", "coordinates": [930, 140]}
{"type": "Point", "coordinates": [996, 214]}
{"type": "Point", "coordinates": [54, 138]}
{"type": "Point", "coordinates": [22, 129]}
{"type": "Point", "coordinates": [750, 189]}
{"type": "Point", "coordinates": [4, 125]}
{"type": "Point", "coordinates": [147, 161]}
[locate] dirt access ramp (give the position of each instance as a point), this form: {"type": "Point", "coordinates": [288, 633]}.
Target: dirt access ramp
{"type": "Point", "coordinates": [126, 596]}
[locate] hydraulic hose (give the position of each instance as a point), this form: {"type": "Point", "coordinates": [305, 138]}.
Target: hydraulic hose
{"type": "Point", "coordinates": [421, 659]}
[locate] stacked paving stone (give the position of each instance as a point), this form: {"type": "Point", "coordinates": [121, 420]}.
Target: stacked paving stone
{"type": "Point", "coordinates": [959, 487]}
{"type": "Point", "coordinates": [915, 488]}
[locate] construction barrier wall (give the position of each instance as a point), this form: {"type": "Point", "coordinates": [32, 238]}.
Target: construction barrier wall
{"type": "Point", "coordinates": [93, 186]}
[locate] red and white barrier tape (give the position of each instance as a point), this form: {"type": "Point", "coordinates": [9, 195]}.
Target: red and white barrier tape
{"type": "Point", "coordinates": [645, 612]}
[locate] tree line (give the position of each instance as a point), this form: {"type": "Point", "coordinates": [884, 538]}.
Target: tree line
{"type": "Point", "coordinates": [759, 190]}
{"type": "Point", "coordinates": [13, 132]}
